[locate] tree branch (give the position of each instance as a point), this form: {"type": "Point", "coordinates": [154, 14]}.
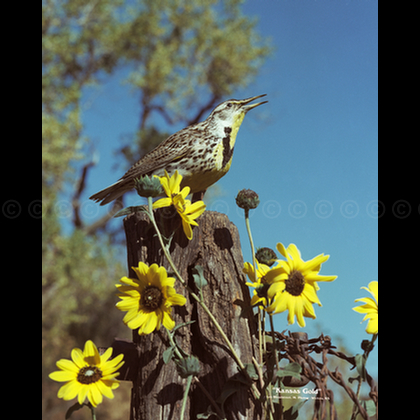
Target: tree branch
{"type": "Point", "coordinates": [81, 185]}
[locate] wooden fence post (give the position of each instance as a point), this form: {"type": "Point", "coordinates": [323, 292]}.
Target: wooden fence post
{"type": "Point", "coordinates": [157, 388]}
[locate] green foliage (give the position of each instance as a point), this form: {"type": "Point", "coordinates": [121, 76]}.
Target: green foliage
{"type": "Point", "coordinates": [292, 369]}
{"type": "Point", "coordinates": [252, 373]}
{"type": "Point", "coordinates": [78, 279]}
{"type": "Point", "coordinates": [78, 292]}
{"type": "Point", "coordinates": [293, 412]}
{"type": "Point", "coordinates": [75, 407]}
{"type": "Point", "coordinates": [209, 413]}
{"type": "Point", "coordinates": [360, 365]}
{"type": "Point", "coordinates": [198, 276]}
{"type": "Point", "coordinates": [148, 186]}
{"type": "Point", "coordinates": [188, 366]}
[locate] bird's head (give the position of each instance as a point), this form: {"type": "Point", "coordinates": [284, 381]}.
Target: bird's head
{"type": "Point", "coordinates": [232, 112]}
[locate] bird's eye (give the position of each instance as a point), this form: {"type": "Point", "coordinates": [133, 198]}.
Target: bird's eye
{"type": "Point", "coordinates": [229, 104]}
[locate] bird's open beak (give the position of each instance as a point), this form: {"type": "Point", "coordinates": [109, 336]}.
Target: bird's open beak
{"type": "Point", "coordinates": [246, 107]}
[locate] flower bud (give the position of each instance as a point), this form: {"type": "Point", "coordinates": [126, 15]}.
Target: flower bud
{"type": "Point", "coordinates": [148, 186]}
{"type": "Point", "coordinates": [266, 256]}
{"type": "Point", "coordinates": [247, 199]}
{"type": "Point", "coordinates": [188, 366]}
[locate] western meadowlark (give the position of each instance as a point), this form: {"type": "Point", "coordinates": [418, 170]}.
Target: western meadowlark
{"type": "Point", "coordinates": [202, 153]}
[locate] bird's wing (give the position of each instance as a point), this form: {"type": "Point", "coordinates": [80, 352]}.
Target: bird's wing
{"type": "Point", "coordinates": [174, 148]}
{"type": "Point", "coordinates": [171, 150]}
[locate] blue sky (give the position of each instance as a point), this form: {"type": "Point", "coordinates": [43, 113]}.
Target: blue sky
{"type": "Point", "coordinates": [310, 152]}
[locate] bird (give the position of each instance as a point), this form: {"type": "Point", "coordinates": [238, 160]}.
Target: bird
{"type": "Point", "coordinates": [202, 153]}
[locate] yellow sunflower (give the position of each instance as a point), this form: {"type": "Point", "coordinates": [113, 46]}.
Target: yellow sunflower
{"type": "Point", "coordinates": [88, 374]}
{"type": "Point", "coordinates": [294, 284]}
{"type": "Point", "coordinates": [370, 308]}
{"type": "Point", "coordinates": [261, 285]}
{"type": "Point", "coordinates": [188, 212]}
{"type": "Point", "coordinates": [148, 300]}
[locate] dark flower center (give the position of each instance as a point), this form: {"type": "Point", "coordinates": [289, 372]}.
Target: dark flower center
{"type": "Point", "coordinates": [295, 283]}
{"type": "Point", "coordinates": [89, 374]}
{"type": "Point", "coordinates": [152, 297]}
{"type": "Point", "coordinates": [262, 290]}
{"type": "Point", "coordinates": [263, 280]}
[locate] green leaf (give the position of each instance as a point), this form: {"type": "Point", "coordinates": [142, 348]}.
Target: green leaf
{"type": "Point", "coordinates": [360, 365]}
{"type": "Point", "coordinates": [207, 414]}
{"type": "Point", "coordinates": [76, 406]}
{"type": "Point", "coordinates": [292, 369]}
{"type": "Point", "coordinates": [293, 412]}
{"type": "Point", "coordinates": [182, 325]}
{"type": "Point", "coordinates": [252, 372]}
{"type": "Point", "coordinates": [370, 407]}
{"type": "Point", "coordinates": [198, 276]}
{"type": "Point", "coordinates": [168, 354]}
{"type": "Point", "coordinates": [230, 388]}
{"type": "Point", "coordinates": [268, 339]}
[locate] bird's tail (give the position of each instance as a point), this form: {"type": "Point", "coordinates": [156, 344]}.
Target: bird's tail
{"type": "Point", "coordinates": [112, 192]}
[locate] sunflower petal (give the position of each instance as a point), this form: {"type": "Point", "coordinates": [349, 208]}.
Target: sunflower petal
{"type": "Point", "coordinates": [168, 322]}
{"type": "Point", "coordinates": [62, 376]}
{"type": "Point", "coordinates": [280, 303]}
{"type": "Point", "coordinates": [196, 209]}
{"type": "Point", "coordinates": [275, 289]}
{"type": "Point", "coordinates": [81, 396]}
{"type": "Point", "coordinates": [69, 390]}
{"type": "Point", "coordinates": [104, 357]}
{"type": "Point", "coordinates": [78, 358]}
{"type": "Point", "coordinates": [163, 202]}
{"type": "Point", "coordinates": [280, 247]}
{"type": "Point", "coordinates": [187, 229]}
{"type": "Point", "coordinates": [174, 182]}
{"type": "Point", "coordinates": [94, 394]}
{"type": "Point", "coordinates": [149, 323]}
{"type": "Point", "coordinates": [177, 300]}
{"type": "Point", "coordinates": [299, 310]}
{"type": "Point", "coordinates": [105, 388]}
{"type": "Point", "coordinates": [68, 365]}
{"type": "Point", "coordinates": [112, 365]}
{"type": "Point", "coordinates": [309, 294]}
{"type": "Point", "coordinates": [315, 263]}
{"type": "Point", "coordinates": [91, 354]}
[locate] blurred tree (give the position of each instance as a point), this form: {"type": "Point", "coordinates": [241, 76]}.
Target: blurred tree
{"type": "Point", "coordinates": [183, 57]}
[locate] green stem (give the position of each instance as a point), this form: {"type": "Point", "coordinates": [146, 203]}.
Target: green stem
{"type": "Point", "coordinates": [261, 337]}
{"type": "Point", "coordinates": [197, 298]}
{"type": "Point", "coordinates": [254, 263]}
{"type": "Point", "coordinates": [276, 357]}
{"type": "Point", "coordinates": [92, 410]}
{"type": "Point", "coordinates": [186, 392]}
{"type": "Point", "coordinates": [359, 379]}
{"type": "Point", "coordinates": [173, 344]}
{"type": "Point", "coordinates": [355, 411]}
{"type": "Point", "coordinates": [248, 229]}
{"type": "Point", "coordinates": [372, 342]}
{"type": "Point", "coordinates": [260, 340]}
{"type": "Point", "coordinates": [195, 378]}
{"type": "Point", "coordinates": [162, 244]}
